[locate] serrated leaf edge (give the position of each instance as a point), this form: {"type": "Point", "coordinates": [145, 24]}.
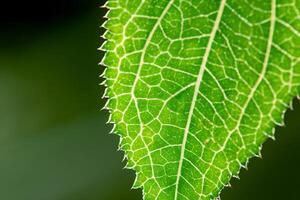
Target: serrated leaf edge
{"type": "Point", "coordinates": [110, 121]}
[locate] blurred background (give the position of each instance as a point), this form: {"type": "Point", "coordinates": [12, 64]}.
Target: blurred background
{"type": "Point", "coordinates": [54, 143]}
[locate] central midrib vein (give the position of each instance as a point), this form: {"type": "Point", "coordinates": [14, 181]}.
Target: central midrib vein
{"type": "Point", "coordinates": [196, 90]}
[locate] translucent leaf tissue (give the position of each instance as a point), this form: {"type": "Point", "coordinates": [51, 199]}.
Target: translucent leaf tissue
{"type": "Point", "coordinates": [195, 87]}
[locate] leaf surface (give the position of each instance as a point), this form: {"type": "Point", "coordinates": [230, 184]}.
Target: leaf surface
{"type": "Point", "coordinates": [196, 87]}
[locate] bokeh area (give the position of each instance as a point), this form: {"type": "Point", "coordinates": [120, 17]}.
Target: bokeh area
{"type": "Point", "coordinates": [54, 142]}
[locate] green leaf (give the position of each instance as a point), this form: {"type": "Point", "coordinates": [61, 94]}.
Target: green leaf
{"type": "Point", "coordinates": [196, 87]}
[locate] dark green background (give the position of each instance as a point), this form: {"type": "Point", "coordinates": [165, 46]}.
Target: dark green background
{"type": "Point", "coordinates": [54, 143]}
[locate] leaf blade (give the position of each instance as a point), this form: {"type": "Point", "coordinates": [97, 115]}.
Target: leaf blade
{"type": "Point", "coordinates": [154, 89]}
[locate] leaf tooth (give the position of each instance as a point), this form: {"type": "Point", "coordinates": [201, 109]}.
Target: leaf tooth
{"type": "Point", "coordinates": [102, 36]}
{"type": "Point", "coordinates": [136, 186]}
{"type": "Point", "coordinates": [108, 36]}
{"type": "Point", "coordinates": [109, 119]}
{"type": "Point", "coordinates": [271, 136]}
{"type": "Point", "coordinates": [278, 123]}
{"type": "Point", "coordinates": [103, 73]}
{"type": "Point", "coordinates": [286, 104]}
{"type": "Point", "coordinates": [104, 24]}
{"type": "Point", "coordinates": [102, 62]}
{"type": "Point", "coordinates": [104, 96]}
{"type": "Point", "coordinates": [245, 166]}
{"type": "Point", "coordinates": [241, 164]}
{"type": "Point", "coordinates": [125, 158]}
{"type": "Point", "coordinates": [105, 5]}
{"type": "Point", "coordinates": [236, 176]}
{"type": "Point", "coordinates": [102, 47]}
{"type": "Point", "coordinates": [104, 30]}
{"type": "Point", "coordinates": [273, 131]}
{"type": "Point", "coordinates": [105, 16]}
{"type": "Point", "coordinates": [281, 122]}
{"type": "Point", "coordinates": [259, 154]}
{"type": "Point", "coordinates": [106, 107]}
{"type": "Point", "coordinates": [138, 183]}
{"type": "Point", "coordinates": [282, 117]}
{"type": "Point", "coordinates": [120, 146]}
{"type": "Point", "coordinates": [135, 183]}
{"type": "Point", "coordinates": [102, 27]}
{"type": "Point", "coordinates": [103, 83]}
{"type": "Point", "coordinates": [291, 105]}
{"type": "Point", "coordinates": [128, 166]}
{"type": "Point", "coordinates": [228, 185]}
{"type": "Point", "coordinates": [112, 131]}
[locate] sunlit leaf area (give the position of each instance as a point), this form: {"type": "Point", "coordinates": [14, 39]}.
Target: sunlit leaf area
{"type": "Point", "coordinates": [54, 140]}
